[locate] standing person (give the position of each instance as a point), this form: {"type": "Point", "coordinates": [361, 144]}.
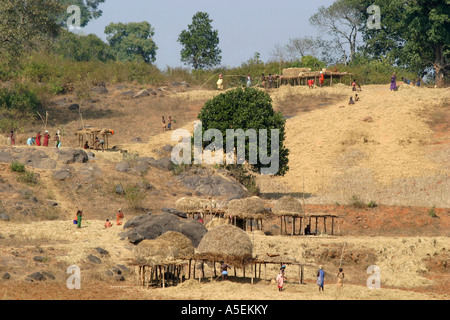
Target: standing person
{"type": "Point", "coordinates": [263, 80]}
{"type": "Point", "coordinates": [270, 80]}
{"type": "Point", "coordinates": [79, 218]}
{"type": "Point", "coordinates": [393, 82]}
{"type": "Point", "coordinates": [320, 278]}
{"type": "Point", "coordinates": [38, 139]}
{"type": "Point", "coordinates": [280, 278]}
{"type": "Point", "coordinates": [46, 138]}
{"type": "Point", "coordinates": [163, 123]}
{"type": "Point", "coordinates": [321, 79]}
{"type": "Point", "coordinates": [57, 140]}
{"type": "Point", "coordinates": [220, 83]}
{"type": "Point", "coordinates": [169, 123]}
{"type": "Point", "coordinates": [12, 137]}
{"type": "Point", "coordinates": [119, 217]}
{"type": "Point", "coordinates": [340, 278]}
{"type": "Point", "coordinates": [224, 270]}
{"type": "Point", "coordinates": [249, 81]}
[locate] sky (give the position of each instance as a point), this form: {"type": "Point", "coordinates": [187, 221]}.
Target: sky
{"type": "Point", "coordinates": [244, 27]}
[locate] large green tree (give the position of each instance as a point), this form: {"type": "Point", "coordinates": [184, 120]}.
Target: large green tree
{"type": "Point", "coordinates": [200, 43]}
{"type": "Point", "coordinates": [251, 111]}
{"type": "Point", "coordinates": [132, 41]}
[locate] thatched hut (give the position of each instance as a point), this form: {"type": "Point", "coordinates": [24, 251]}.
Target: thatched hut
{"type": "Point", "coordinates": [162, 259]}
{"type": "Point", "coordinates": [248, 210]}
{"type": "Point", "coordinates": [198, 207]}
{"type": "Point", "coordinates": [90, 133]}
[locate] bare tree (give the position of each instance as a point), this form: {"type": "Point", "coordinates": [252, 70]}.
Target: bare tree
{"type": "Point", "coordinates": [300, 47]}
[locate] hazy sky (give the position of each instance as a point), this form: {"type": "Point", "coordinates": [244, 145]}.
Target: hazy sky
{"type": "Point", "coordinates": [245, 26]}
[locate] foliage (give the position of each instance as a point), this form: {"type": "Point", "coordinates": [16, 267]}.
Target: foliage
{"type": "Point", "coordinates": [29, 177]}
{"type": "Point", "coordinates": [241, 174]}
{"type": "Point", "coordinates": [16, 166]}
{"type": "Point", "coordinates": [246, 109]}
{"type": "Point", "coordinates": [135, 197]}
{"type": "Point", "coordinates": [432, 212]}
{"type": "Point", "coordinates": [200, 43]}
{"type": "Point", "coordinates": [309, 62]}
{"type": "Point", "coordinates": [132, 41]}
{"type": "Point", "coordinates": [372, 204]}
{"type": "Point", "coordinates": [356, 202]}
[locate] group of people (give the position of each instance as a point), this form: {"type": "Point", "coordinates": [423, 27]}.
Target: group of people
{"type": "Point", "coordinates": [108, 224]}
{"type": "Point", "coordinates": [394, 86]}
{"type": "Point", "coordinates": [38, 140]}
{"type": "Point", "coordinates": [167, 126]}
{"type": "Point", "coordinates": [98, 144]}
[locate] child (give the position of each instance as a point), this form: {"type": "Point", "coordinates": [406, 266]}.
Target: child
{"type": "Point", "coordinates": [280, 278]}
{"type": "Point", "coordinates": [119, 217]}
{"type": "Point", "coordinates": [169, 122]}
{"type": "Point", "coordinates": [351, 101]}
{"type": "Point", "coordinates": [108, 223]}
{"type": "Point", "coordinates": [164, 123]}
{"type": "Point", "coordinates": [224, 268]}
{"type": "Point", "coordinates": [340, 278]}
{"type": "Point", "coordinates": [356, 97]}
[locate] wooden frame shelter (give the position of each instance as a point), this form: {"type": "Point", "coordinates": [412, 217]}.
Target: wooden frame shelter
{"type": "Point", "coordinates": [193, 206]}
{"type": "Point", "coordinates": [245, 212]}
{"type": "Point", "coordinates": [300, 76]}
{"type": "Point", "coordinates": [89, 134]}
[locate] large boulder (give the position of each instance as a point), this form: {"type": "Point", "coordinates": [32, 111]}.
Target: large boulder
{"type": "Point", "coordinates": [70, 155]}
{"type": "Point", "coordinates": [164, 164]}
{"type": "Point", "coordinates": [152, 226]}
{"type": "Point", "coordinates": [33, 157]}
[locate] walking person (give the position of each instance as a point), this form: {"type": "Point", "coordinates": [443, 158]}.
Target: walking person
{"type": "Point", "coordinates": [11, 138]}
{"type": "Point", "coordinates": [38, 139]}
{"type": "Point", "coordinates": [340, 279]}
{"type": "Point", "coordinates": [57, 140]}
{"type": "Point", "coordinates": [280, 278]}
{"type": "Point", "coordinates": [393, 82]}
{"type": "Point", "coordinates": [320, 278]}
{"type": "Point", "coordinates": [79, 218]}
{"type": "Point", "coordinates": [224, 270]}
{"type": "Point", "coordinates": [119, 217]}
{"type": "Point", "coordinates": [46, 138]}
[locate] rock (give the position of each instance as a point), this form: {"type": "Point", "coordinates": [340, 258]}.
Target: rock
{"type": "Point", "coordinates": [367, 119]}
{"type": "Point", "coordinates": [102, 251]}
{"type": "Point", "coordinates": [35, 276]}
{"type": "Point", "coordinates": [122, 167]}
{"type": "Point", "coordinates": [33, 157]}
{"type": "Point", "coordinates": [119, 277]}
{"type": "Point", "coordinates": [213, 185]}
{"type": "Point", "coordinates": [61, 174]}
{"type": "Point", "coordinates": [152, 226]}
{"type": "Point", "coordinates": [119, 189]}
{"type": "Point", "coordinates": [90, 172]}
{"type": "Point", "coordinates": [139, 169]}
{"type": "Point", "coordinates": [145, 185]}
{"type": "Point", "coordinates": [142, 93]}
{"type": "Point", "coordinates": [52, 203]}
{"type": "Point", "coordinates": [48, 275]}
{"type": "Point", "coordinates": [164, 164]}
{"type": "Point", "coordinates": [116, 270]}
{"type": "Point", "coordinates": [68, 156]}
{"type": "Point", "coordinates": [123, 268]}
{"type": "Point", "coordinates": [6, 276]}
{"type": "Point", "coordinates": [176, 212]}
{"type": "Point", "coordinates": [136, 140]}
{"type": "Point", "coordinates": [91, 154]}
{"type": "Point", "coordinates": [128, 94]}
{"type": "Point", "coordinates": [4, 217]}
{"type": "Point", "coordinates": [74, 107]}
{"type": "Point", "coordinates": [40, 259]}
{"type": "Point", "coordinates": [94, 259]}
{"type": "Point", "coordinates": [100, 90]}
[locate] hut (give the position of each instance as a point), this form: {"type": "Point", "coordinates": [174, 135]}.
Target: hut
{"type": "Point", "coordinates": [300, 76]}
{"type": "Point", "coordinates": [197, 207]}
{"type": "Point", "coordinates": [162, 259]}
{"type": "Point", "coordinates": [89, 134]}
{"type": "Point", "coordinates": [225, 243]}
{"type": "Point", "coordinates": [288, 206]}
{"type": "Point", "coordinates": [246, 211]}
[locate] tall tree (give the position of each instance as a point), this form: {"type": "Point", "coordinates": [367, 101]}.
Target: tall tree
{"type": "Point", "coordinates": [132, 41]}
{"type": "Point", "coordinates": [89, 10]}
{"type": "Point", "coordinates": [27, 24]}
{"type": "Point", "coordinates": [200, 43]}
{"type": "Point", "coordinates": [341, 21]}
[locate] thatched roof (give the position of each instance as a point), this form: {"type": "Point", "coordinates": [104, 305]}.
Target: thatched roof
{"type": "Point", "coordinates": [252, 207]}
{"type": "Point", "coordinates": [228, 243]}
{"type": "Point", "coordinates": [92, 130]}
{"type": "Point", "coordinates": [275, 258]}
{"type": "Point", "coordinates": [294, 72]}
{"type": "Point", "coordinates": [192, 204]}
{"type": "Point", "coordinates": [288, 206]}
{"type": "Point", "coordinates": [170, 247]}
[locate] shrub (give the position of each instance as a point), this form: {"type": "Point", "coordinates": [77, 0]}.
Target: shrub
{"type": "Point", "coordinates": [29, 177]}
{"type": "Point", "coordinates": [356, 202]}
{"type": "Point", "coordinates": [16, 166]}
{"type": "Point", "coordinates": [432, 212]}
{"type": "Point", "coordinates": [135, 196]}
{"type": "Point", "coordinates": [372, 204]}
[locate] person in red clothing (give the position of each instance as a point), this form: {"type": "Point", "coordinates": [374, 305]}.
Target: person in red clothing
{"type": "Point", "coordinates": [38, 138]}
{"type": "Point", "coordinates": [119, 217]}
{"type": "Point", "coordinates": [321, 79]}
{"type": "Point", "coordinates": [46, 138]}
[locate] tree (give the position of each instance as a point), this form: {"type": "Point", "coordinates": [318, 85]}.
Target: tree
{"type": "Point", "coordinates": [247, 109]}
{"type": "Point", "coordinates": [300, 47]}
{"type": "Point", "coordinates": [27, 24]}
{"type": "Point", "coordinates": [89, 9]}
{"type": "Point", "coordinates": [200, 43]}
{"type": "Point", "coordinates": [132, 41]}
{"type": "Point", "coordinates": [341, 21]}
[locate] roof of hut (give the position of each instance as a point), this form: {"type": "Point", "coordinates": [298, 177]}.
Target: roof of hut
{"type": "Point", "coordinates": [228, 243]}
{"type": "Point", "coordinates": [192, 204]}
{"type": "Point", "coordinates": [252, 207]}
{"type": "Point", "coordinates": [93, 130]}
{"type": "Point", "coordinates": [170, 247]}
{"type": "Point", "coordinates": [288, 206]}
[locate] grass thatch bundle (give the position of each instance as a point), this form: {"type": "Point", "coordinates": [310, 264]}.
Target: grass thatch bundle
{"type": "Point", "coordinates": [288, 206]}
{"type": "Point", "coordinates": [170, 247]}
{"type": "Point", "coordinates": [294, 72]}
{"type": "Point", "coordinates": [252, 207]}
{"type": "Point", "coordinates": [228, 243]}
{"type": "Point", "coordinates": [192, 204]}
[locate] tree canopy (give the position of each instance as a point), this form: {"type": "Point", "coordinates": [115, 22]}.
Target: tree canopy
{"type": "Point", "coordinates": [200, 43]}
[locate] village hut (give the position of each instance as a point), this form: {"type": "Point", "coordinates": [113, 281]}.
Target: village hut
{"type": "Point", "coordinates": [90, 133]}
{"type": "Point", "coordinates": [288, 206]}
{"type": "Point", "coordinates": [198, 207]}
{"type": "Point", "coordinates": [162, 259]}
{"type": "Point", "coordinates": [247, 211]}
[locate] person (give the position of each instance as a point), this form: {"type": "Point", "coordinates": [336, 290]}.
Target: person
{"type": "Point", "coordinates": [119, 217]}
{"type": "Point", "coordinates": [340, 278]}
{"type": "Point", "coordinates": [86, 145]}
{"type": "Point", "coordinates": [270, 80]}
{"type": "Point", "coordinates": [320, 278]}
{"type": "Point", "coordinates": [12, 138]}
{"type": "Point", "coordinates": [46, 138]}
{"type": "Point", "coordinates": [220, 83]}
{"type": "Point", "coordinates": [263, 80]}
{"type": "Point", "coordinates": [108, 224]}
{"type": "Point", "coordinates": [38, 139]}
{"type": "Point", "coordinates": [351, 101]}
{"type": "Point", "coordinates": [57, 140]}
{"type": "Point", "coordinates": [311, 83]}
{"type": "Point", "coordinates": [321, 79]}
{"type": "Point", "coordinates": [31, 141]}
{"type": "Point", "coordinates": [99, 143]}
{"type": "Point", "coordinates": [169, 122]}
{"type": "Point", "coordinates": [418, 82]}
{"type": "Point", "coordinates": [249, 81]}
{"type": "Point", "coordinates": [356, 97]}
{"type": "Point", "coordinates": [79, 218]}
{"type": "Point", "coordinates": [164, 123]}
{"type": "Point", "coordinates": [224, 270]}
{"type": "Point", "coordinates": [280, 278]}
{"type": "Point", "coordinates": [308, 230]}
{"type": "Point", "coordinates": [393, 82]}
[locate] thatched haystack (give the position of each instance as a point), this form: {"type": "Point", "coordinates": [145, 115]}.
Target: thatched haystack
{"type": "Point", "coordinates": [170, 247]}
{"type": "Point", "coordinates": [192, 204]}
{"type": "Point", "coordinates": [227, 243]}
{"type": "Point", "coordinates": [288, 206]}
{"type": "Point", "coordinates": [295, 72]}
{"type": "Point", "coordinates": [247, 208]}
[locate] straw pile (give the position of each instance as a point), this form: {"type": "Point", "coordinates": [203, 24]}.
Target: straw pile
{"type": "Point", "coordinates": [295, 72]}
{"type": "Point", "coordinates": [192, 204]}
{"type": "Point", "coordinates": [288, 206]}
{"type": "Point", "coordinates": [170, 247]}
{"type": "Point", "coordinates": [228, 243]}
{"type": "Point", "coordinates": [246, 208]}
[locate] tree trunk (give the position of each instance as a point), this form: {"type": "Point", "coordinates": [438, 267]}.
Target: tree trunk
{"type": "Point", "coordinates": [440, 66]}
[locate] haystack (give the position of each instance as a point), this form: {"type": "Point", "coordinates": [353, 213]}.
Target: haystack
{"type": "Point", "coordinates": [247, 208]}
{"type": "Point", "coordinates": [288, 206]}
{"type": "Point", "coordinates": [170, 247]}
{"type": "Point", "coordinates": [227, 243]}
{"type": "Point", "coordinates": [295, 72]}
{"type": "Point", "coordinates": [192, 204]}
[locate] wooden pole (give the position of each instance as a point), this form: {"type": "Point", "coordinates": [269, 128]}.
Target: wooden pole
{"type": "Point", "coordinates": [332, 225]}
{"type": "Point", "coordinates": [301, 275]}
